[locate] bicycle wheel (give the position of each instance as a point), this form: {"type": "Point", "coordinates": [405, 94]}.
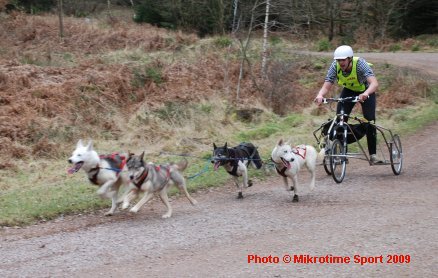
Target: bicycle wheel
{"type": "Point", "coordinates": [326, 160]}
{"type": "Point", "coordinates": [396, 155]}
{"type": "Point", "coordinates": [326, 163]}
{"type": "Point", "coordinates": [338, 161]}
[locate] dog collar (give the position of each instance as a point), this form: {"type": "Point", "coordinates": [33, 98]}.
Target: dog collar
{"type": "Point", "coordinates": [281, 172]}
{"type": "Point", "coordinates": [142, 178]}
{"type": "Point", "coordinates": [93, 178]}
{"type": "Point", "coordinates": [233, 172]}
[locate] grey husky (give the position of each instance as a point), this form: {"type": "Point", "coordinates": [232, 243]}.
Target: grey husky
{"type": "Point", "coordinates": [150, 178]}
{"type": "Point", "coordinates": [108, 172]}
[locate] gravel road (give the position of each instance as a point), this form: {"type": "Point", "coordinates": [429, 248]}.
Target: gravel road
{"type": "Point", "coordinates": [425, 62]}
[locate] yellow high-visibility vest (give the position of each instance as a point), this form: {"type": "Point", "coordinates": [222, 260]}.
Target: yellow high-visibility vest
{"type": "Point", "coordinates": [350, 81]}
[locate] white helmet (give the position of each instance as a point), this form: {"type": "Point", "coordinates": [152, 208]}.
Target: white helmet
{"type": "Point", "coordinates": [343, 52]}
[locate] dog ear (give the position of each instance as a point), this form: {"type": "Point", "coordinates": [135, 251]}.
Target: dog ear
{"type": "Point", "coordinates": [79, 144]}
{"type": "Point", "coordinates": [225, 145]}
{"type": "Point", "coordinates": [90, 145]}
{"type": "Point", "coordinates": [280, 142]}
{"type": "Point", "coordinates": [214, 146]}
{"type": "Point", "coordinates": [141, 156]}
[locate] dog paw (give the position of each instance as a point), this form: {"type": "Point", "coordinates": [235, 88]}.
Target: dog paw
{"type": "Point", "coordinates": [125, 206]}
{"type": "Point", "coordinates": [133, 210]}
{"type": "Point", "coordinates": [167, 215]}
{"type": "Point", "coordinates": [250, 183]}
{"type": "Point", "coordinates": [292, 188]}
{"type": "Point", "coordinates": [240, 195]}
{"type": "Point", "coordinates": [295, 199]}
{"type": "Point", "coordinates": [109, 213]}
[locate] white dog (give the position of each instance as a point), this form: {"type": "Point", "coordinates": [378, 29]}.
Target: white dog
{"type": "Point", "coordinates": [288, 161]}
{"type": "Point", "coordinates": [108, 172]}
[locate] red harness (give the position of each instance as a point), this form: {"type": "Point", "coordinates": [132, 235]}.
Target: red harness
{"type": "Point", "coordinates": [300, 150]}
{"type": "Point", "coordinates": [143, 177]}
{"type": "Point", "coordinates": [115, 157]}
{"type": "Point", "coordinates": [145, 173]}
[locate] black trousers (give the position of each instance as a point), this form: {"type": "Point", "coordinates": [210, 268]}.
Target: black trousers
{"type": "Point", "coordinates": [369, 113]}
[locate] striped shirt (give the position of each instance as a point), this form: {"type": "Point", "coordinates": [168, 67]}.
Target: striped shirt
{"type": "Point", "coordinates": [363, 72]}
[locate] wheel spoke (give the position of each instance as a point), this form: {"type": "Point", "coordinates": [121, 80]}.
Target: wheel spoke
{"type": "Point", "coordinates": [338, 161]}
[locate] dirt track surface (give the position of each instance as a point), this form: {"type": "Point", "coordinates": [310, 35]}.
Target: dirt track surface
{"type": "Point", "coordinates": [372, 213]}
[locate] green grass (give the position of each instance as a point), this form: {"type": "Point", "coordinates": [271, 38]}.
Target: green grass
{"type": "Point", "coordinates": [47, 197]}
{"type": "Point", "coordinates": [409, 120]}
{"type": "Point", "coordinates": [25, 205]}
{"type": "Point", "coordinates": [271, 128]}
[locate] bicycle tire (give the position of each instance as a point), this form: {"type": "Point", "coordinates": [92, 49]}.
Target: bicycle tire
{"type": "Point", "coordinates": [396, 155]}
{"type": "Point", "coordinates": [326, 160]}
{"type": "Point", "coordinates": [338, 162]}
{"type": "Point", "coordinates": [326, 163]}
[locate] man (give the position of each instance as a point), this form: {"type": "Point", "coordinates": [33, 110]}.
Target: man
{"type": "Point", "coordinates": [357, 78]}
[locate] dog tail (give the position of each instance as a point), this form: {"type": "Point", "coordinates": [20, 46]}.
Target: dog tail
{"type": "Point", "coordinates": [182, 164]}
{"type": "Point", "coordinates": [257, 161]}
{"type": "Point", "coordinates": [320, 156]}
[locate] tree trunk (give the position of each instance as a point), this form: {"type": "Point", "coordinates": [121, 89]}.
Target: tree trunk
{"type": "Point", "coordinates": [234, 27]}
{"type": "Point", "coordinates": [244, 48]}
{"type": "Point", "coordinates": [265, 40]}
{"type": "Point", "coordinates": [61, 20]}
{"type": "Point", "coordinates": [109, 7]}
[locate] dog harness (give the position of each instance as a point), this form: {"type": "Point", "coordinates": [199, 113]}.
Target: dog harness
{"type": "Point", "coordinates": [300, 150]}
{"type": "Point", "coordinates": [282, 171]}
{"type": "Point", "coordinates": [237, 154]}
{"type": "Point", "coordinates": [145, 173]}
{"type": "Point", "coordinates": [116, 161]}
{"type": "Point", "coordinates": [143, 177]}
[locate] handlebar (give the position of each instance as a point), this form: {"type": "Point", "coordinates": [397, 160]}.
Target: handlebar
{"type": "Point", "coordinates": [345, 99]}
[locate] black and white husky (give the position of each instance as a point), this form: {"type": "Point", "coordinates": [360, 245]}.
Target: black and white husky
{"type": "Point", "coordinates": [108, 172]}
{"type": "Point", "coordinates": [288, 161]}
{"type": "Point", "coordinates": [150, 178]}
{"type": "Point", "coordinates": [235, 161]}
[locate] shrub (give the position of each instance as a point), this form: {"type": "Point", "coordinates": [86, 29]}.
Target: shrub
{"type": "Point", "coordinates": [150, 74]}
{"type": "Point", "coordinates": [148, 12]}
{"type": "Point", "coordinates": [223, 42]}
{"type": "Point", "coordinates": [324, 45]}
{"type": "Point", "coordinates": [415, 47]}
{"type": "Point", "coordinates": [274, 40]}
{"type": "Point", "coordinates": [395, 47]}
